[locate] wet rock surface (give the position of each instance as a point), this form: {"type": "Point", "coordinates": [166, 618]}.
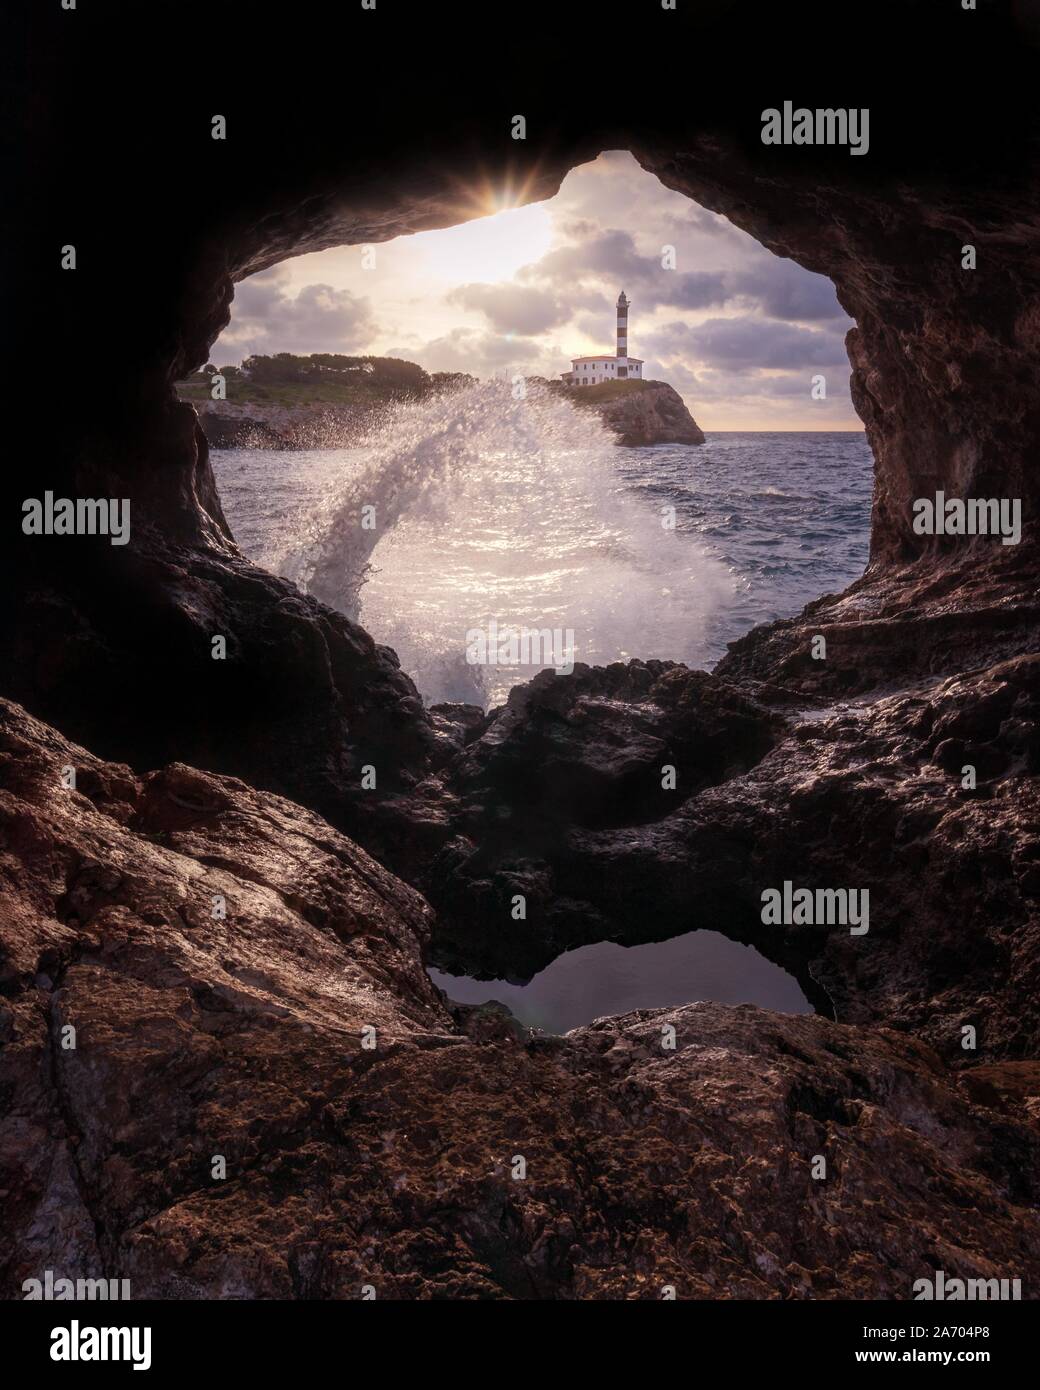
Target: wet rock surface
{"type": "Point", "coordinates": [865, 794]}
{"type": "Point", "coordinates": [394, 1166]}
{"type": "Point", "coordinates": [897, 625]}
{"type": "Point", "coordinates": [568, 763]}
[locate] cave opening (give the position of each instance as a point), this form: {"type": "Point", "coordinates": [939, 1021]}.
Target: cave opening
{"type": "Point", "coordinates": [462, 503]}
{"type": "Point", "coordinates": [465, 510]}
{"type": "Point", "coordinates": [307, 701]}
{"type": "Point", "coordinates": [606, 979]}
{"type": "Point", "coordinates": [247, 1033]}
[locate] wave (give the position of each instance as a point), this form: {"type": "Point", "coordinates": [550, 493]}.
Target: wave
{"type": "Point", "coordinates": [485, 506]}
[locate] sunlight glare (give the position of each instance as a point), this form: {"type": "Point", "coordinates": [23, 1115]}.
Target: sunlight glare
{"type": "Point", "coordinates": [487, 248]}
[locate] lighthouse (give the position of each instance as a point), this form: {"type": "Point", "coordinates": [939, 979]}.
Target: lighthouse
{"type": "Point", "coordinates": [593, 371]}
{"type": "Point", "coordinates": [622, 327]}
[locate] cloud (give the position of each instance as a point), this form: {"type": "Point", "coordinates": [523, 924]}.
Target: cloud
{"type": "Point", "coordinates": [480, 353]}
{"type": "Point", "coordinates": [615, 191]}
{"type": "Point", "coordinates": [611, 257]}
{"type": "Point", "coordinates": [513, 308]}
{"type": "Point", "coordinates": [783, 290]}
{"type": "Point", "coordinates": [697, 289]}
{"type": "Point", "coordinates": [777, 288]}
{"type": "Point", "coordinates": [610, 253]}
{"type": "Point", "coordinates": [685, 380]}
{"type": "Point", "coordinates": [713, 384]}
{"type": "Point", "coordinates": [749, 343]}
{"type": "Point", "coordinates": [320, 318]}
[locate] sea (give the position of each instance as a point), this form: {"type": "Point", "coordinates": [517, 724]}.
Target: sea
{"type": "Point", "coordinates": [479, 515]}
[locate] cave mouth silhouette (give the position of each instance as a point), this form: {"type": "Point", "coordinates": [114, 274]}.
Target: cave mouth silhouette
{"type": "Point", "coordinates": [687, 1170]}
{"type": "Point", "coordinates": [115, 649]}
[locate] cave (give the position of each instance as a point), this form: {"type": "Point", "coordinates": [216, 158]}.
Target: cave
{"type": "Point", "coordinates": [240, 779]}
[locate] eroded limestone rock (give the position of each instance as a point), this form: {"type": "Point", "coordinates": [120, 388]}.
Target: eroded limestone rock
{"type": "Point", "coordinates": [393, 1166]}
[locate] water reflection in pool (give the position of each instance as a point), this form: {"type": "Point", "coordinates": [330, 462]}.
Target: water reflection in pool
{"type": "Point", "coordinates": [601, 979]}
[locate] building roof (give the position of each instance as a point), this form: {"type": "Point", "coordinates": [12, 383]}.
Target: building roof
{"type": "Point", "coordinates": [606, 357]}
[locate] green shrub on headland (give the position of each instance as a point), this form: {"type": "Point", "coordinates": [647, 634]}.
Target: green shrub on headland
{"type": "Point", "coordinates": [603, 391]}
{"type": "Point", "coordinates": [321, 378]}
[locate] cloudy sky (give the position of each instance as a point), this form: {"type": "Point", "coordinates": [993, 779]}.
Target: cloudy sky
{"type": "Point", "coordinates": [737, 331]}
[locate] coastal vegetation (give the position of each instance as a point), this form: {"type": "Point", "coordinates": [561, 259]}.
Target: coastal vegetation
{"type": "Point", "coordinates": [319, 379]}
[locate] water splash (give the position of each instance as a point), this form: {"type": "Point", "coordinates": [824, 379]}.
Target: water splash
{"type": "Point", "coordinates": [488, 507]}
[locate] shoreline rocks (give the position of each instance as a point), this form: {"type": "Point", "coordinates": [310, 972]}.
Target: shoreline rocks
{"type": "Point", "coordinates": [229, 426]}
{"type": "Point", "coordinates": [651, 413]}
{"type": "Point", "coordinates": [654, 414]}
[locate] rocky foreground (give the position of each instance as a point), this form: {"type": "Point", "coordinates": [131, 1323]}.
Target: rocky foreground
{"type": "Point", "coordinates": [372, 1136]}
{"type": "Point", "coordinates": [771, 786]}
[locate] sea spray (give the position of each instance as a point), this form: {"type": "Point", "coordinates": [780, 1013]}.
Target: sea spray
{"type": "Point", "coordinates": [787, 515]}
{"type": "Point", "coordinates": [434, 462]}
{"type": "Point", "coordinates": [478, 508]}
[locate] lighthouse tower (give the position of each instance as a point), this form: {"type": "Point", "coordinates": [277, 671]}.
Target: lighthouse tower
{"type": "Point", "coordinates": [594, 371]}
{"type": "Point", "coordinates": [622, 327]}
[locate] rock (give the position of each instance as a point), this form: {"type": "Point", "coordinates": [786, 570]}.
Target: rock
{"type": "Point", "coordinates": [568, 757]}
{"type": "Point", "coordinates": [238, 431]}
{"type": "Point", "coordinates": [654, 413]}
{"type": "Point", "coordinates": [242, 1036]}
{"type": "Point", "coordinates": [897, 625]}
{"type": "Point", "coordinates": [561, 799]}
{"type": "Point", "coordinates": [491, 1021]}
{"type": "Point", "coordinates": [230, 426]}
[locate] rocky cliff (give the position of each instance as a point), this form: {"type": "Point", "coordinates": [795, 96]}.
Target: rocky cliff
{"type": "Point", "coordinates": [651, 413]}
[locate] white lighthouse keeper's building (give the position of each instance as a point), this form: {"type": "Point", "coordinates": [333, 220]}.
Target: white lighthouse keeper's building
{"type": "Point", "coordinates": [590, 371]}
